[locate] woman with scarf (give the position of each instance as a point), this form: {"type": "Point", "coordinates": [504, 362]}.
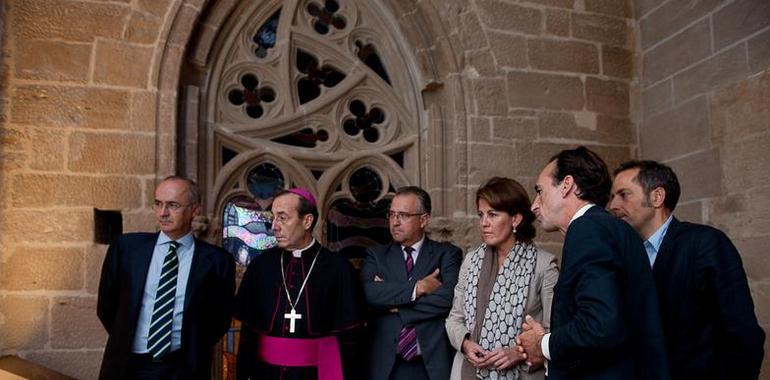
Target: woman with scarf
{"type": "Point", "coordinates": [500, 282]}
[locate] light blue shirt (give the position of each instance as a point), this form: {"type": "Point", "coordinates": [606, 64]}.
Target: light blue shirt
{"type": "Point", "coordinates": [652, 245]}
{"type": "Point", "coordinates": [185, 254]}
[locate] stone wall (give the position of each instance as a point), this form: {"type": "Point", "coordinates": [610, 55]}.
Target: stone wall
{"type": "Point", "coordinates": [705, 110]}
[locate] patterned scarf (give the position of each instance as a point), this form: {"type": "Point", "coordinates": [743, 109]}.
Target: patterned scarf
{"type": "Point", "coordinates": [505, 312]}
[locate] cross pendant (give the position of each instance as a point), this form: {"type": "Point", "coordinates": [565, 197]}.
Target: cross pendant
{"type": "Point", "coordinates": [292, 317]}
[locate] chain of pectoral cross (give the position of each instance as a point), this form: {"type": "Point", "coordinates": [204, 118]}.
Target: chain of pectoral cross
{"type": "Point", "coordinates": [293, 316]}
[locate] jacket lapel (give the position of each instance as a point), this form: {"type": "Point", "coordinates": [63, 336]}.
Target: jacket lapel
{"type": "Point", "coordinates": [143, 251]}
{"type": "Point", "coordinates": [395, 259]}
{"type": "Point", "coordinates": [664, 252]}
{"type": "Point", "coordinates": [424, 260]}
{"type": "Point", "coordinates": [201, 263]}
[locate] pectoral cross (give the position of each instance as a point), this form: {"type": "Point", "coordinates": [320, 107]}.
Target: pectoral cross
{"type": "Point", "coordinates": [292, 317]}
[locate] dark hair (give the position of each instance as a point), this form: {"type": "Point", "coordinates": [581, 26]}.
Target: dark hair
{"type": "Point", "coordinates": [422, 197]}
{"type": "Point", "coordinates": [303, 208]}
{"type": "Point", "coordinates": [505, 194]}
{"type": "Point", "coordinates": [653, 174]}
{"type": "Point", "coordinates": [589, 172]}
{"type": "Point", "coordinates": [193, 190]}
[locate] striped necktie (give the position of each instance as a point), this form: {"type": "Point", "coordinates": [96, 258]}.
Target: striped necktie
{"type": "Point", "coordinates": [407, 338]}
{"type": "Point", "coordinates": [159, 341]}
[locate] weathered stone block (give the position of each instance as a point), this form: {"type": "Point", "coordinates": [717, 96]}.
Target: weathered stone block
{"type": "Point", "coordinates": [604, 29]}
{"type": "Point", "coordinates": [742, 215]}
{"type": "Point", "coordinates": [80, 364]}
{"type": "Point", "coordinates": [140, 220]}
{"type": "Point", "coordinates": [678, 52]}
{"type": "Point", "coordinates": [557, 22]}
{"type": "Point", "coordinates": [53, 60]}
{"type": "Point", "coordinates": [23, 322]}
{"type": "Point", "coordinates": [514, 128]}
{"type": "Point", "coordinates": [642, 7]}
{"type": "Point", "coordinates": [74, 323]}
{"type": "Point", "coordinates": [45, 149]}
{"type": "Point", "coordinates": [672, 17]}
{"type": "Point", "coordinates": [52, 226]}
{"type": "Point", "coordinates": [71, 21]}
{"type": "Point", "coordinates": [619, 8]}
{"type": "Point", "coordinates": [700, 174]}
{"type": "Point", "coordinates": [607, 96]}
{"type": "Point", "coordinates": [689, 211]}
{"type": "Point", "coordinates": [741, 110]}
{"type": "Point", "coordinates": [746, 163]}
{"type": "Point", "coordinates": [487, 160]}
{"type": "Point", "coordinates": [112, 153]}
{"type": "Point", "coordinates": [568, 4]}
{"type": "Point", "coordinates": [142, 111]}
{"type": "Point", "coordinates": [490, 97]}
{"type": "Point", "coordinates": [682, 130]}
{"type": "Point", "coordinates": [480, 130]}
{"type": "Point", "coordinates": [588, 127]}
{"type": "Point", "coordinates": [71, 190]}
{"type": "Point", "coordinates": [471, 33]}
{"type": "Point", "coordinates": [567, 56]}
{"type": "Point", "coordinates": [617, 62]}
{"type": "Point", "coordinates": [121, 64]}
{"type": "Point", "coordinates": [509, 17]}
{"type": "Point", "coordinates": [753, 251]}
{"type": "Point", "coordinates": [658, 98]}
{"type": "Point", "coordinates": [143, 28]}
{"type": "Point", "coordinates": [738, 20]}
{"type": "Point", "coordinates": [479, 63]}
{"type": "Point", "coordinates": [533, 90]}
{"type": "Point", "coordinates": [70, 106]}
{"type": "Point", "coordinates": [36, 268]}
{"type": "Point", "coordinates": [726, 67]}
{"type": "Point", "coordinates": [759, 52]}
{"type": "Point", "coordinates": [157, 8]}
{"type": "Point", "coordinates": [509, 51]}
{"type": "Point", "coordinates": [531, 157]}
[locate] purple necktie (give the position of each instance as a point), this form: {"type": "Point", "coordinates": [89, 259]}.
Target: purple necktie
{"type": "Point", "coordinates": [407, 338]}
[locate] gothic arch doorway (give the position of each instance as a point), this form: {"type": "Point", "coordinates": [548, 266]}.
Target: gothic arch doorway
{"type": "Point", "coordinates": [321, 94]}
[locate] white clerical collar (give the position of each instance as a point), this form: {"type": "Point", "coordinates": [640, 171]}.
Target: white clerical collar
{"type": "Point", "coordinates": [580, 212]}
{"type": "Point", "coordinates": [298, 253]}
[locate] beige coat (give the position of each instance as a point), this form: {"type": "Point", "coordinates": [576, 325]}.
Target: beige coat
{"type": "Point", "coordinates": [539, 300]}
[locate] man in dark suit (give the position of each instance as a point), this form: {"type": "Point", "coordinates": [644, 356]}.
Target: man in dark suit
{"type": "Point", "coordinates": [409, 285]}
{"type": "Point", "coordinates": [605, 322]}
{"type": "Point", "coordinates": [165, 298]}
{"type": "Point", "coordinates": [706, 308]}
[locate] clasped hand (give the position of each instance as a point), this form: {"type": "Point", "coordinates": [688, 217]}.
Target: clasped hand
{"type": "Point", "coordinates": [499, 359]}
{"type": "Point", "coordinates": [529, 342]}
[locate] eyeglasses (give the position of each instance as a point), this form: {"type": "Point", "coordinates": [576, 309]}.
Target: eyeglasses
{"type": "Point", "coordinates": [171, 206]}
{"type": "Point", "coordinates": [400, 216]}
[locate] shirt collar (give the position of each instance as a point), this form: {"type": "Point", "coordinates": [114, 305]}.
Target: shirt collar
{"type": "Point", "coordinates": [580, 212]}
{"type": "Point", "coordinates": [416, 246]}
{"type": "Point", "coordinates": [657, 238]}
{"type": "Point", "coordinates": [184, 241]}
{"type": "Point", "coordinates": [298, 252]}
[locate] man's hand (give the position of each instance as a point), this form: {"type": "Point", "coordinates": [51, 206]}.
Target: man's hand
{"type": "Point", "coordinates": [529, 341]}
{"type": "Point", "coordinates": [474, 354]}
{"type": "Point", "coordinates": [503, 358]}
{"type": "Point", "coordinates": [428, 284]}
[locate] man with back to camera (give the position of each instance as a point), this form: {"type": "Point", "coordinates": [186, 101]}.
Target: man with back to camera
{"type": "Point", "coordinates": [605, 322]}
{"type": "Point", "coordinates": [409, 284]}
{"type": "Point", "coordinates": [706, 307]}
{"type": "Point", "coordinates": [165, 298]}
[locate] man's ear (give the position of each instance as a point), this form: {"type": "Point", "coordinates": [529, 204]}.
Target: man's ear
{"type": "Point", "coordinates": [566, 186]}
{"type": "Point", "coordinates": [657, 197]}
{"type": "Point", "coordinates": [307, 221]}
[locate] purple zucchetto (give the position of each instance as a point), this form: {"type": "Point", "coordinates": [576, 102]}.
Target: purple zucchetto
{"type": "Point", "coordinates": [305, 194]}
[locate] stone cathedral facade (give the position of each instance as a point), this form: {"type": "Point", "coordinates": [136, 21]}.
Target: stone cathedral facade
{"type": "Point", "coordinates": [351, 99]}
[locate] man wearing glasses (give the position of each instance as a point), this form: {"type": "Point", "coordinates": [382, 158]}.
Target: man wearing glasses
{"type": "Point", "coordinates": [409, 286]}
{"type": "Point", "coordinates": [165, 298]}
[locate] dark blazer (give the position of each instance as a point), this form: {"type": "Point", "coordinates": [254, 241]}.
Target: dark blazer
{"type": "Point", "coordinates": [208, 303]}
{"type": "Point", "coordinates": [706, 307]}
{"type": "Point", "coordinates": [426, 313]}
{"type": "Point", "coordinates": [605, 322]}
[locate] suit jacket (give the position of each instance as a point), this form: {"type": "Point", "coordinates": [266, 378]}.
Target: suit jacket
{"type": "Point", "coordinates": [426, 313]}
{"type": "Point", "coordinates": [208, 303]}
{"type": "Point", "coordinates": [538, 305]}
{"type": "Point", "coordinates": [706, 307]}
{"type": "Point", "coordinates": [605, 322]}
